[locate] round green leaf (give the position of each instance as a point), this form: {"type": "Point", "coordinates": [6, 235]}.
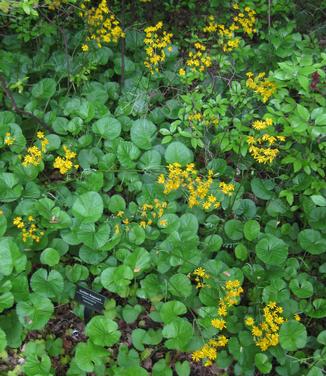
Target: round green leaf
{"type": "Point", "coordinates": [107, 127]}
{"type": "Point", "coordinates": [271, 250]}
{"type": "Point", "coordinates": [171, 310]}
{"type": "Point", "coordinates": [262, 363]}
{"type": "Point", "coordinates": [178, 152]}
{"type": "Point", "coordinates": [233, 229]}
{"type": "Point", "coordinates": [88, 207]}
{"type": "Point", "coordinates": [142, 132]}
{"type": "Point", "coordinates": [50, 256]}
{"type": "Point", "coordinates": [251, 229]}
{"type": "Point", "coordinates": [47, 284]}
{"type": "Point", "coordinates": [312, 241]}
{"type": "Point", "coordinates": [180, 285]}
{"type": "Point", "coordinates": [44, 89]}
{"type": "Point", "coordinates": [34, 313]}
{"type": "Point", "coordinates": [103, 331]}
{"type": "Point", "coordinates": [88, 355]}
{"type": "Point", "coordinates": [301, 288]}
{"type": "Point", "coordinates": [117, 203]}
{"type": "Point", "coordinates": [293, 335]}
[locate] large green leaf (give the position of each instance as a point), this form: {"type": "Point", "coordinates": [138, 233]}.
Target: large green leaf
{"type": "Point", "coordinates": [34, 313]}
{"type": "Point", "coordinates": [103, 331]}
{"type": "Point", "coordinates": [178, 152]}
{"type": "Point", "coordinates": [293, 335]}
{"type": "Point", "coordinates": [142, 133]}
{"type": "Point", "coordinates": [271, 250]}
{"type": "Point", "coordinates": [88, 207]}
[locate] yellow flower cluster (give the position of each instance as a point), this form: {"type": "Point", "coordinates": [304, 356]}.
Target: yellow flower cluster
{"type": "Point", "coordinates": [228, 40]}
{"type": "Point", "coordinates": [152, 212]}
{"type": "Point", "coordinates": [266, 333]}
{"type": "Point", "coordinates": [29, 230]}
{"type": "Point", "coordinates": [262, 124]}
{"type": "Point", "coordinates": [209, 350]}
{"type": "Point", "coordinates": [260, 85]}
{"type": "Point", "coordinates": [198, 60]}
{"type": "Point", "coordinates": [199, 276]}
{"type": "Point", "coordinates": [9, 140]}
{"type": "Point", "coordinates": [245, 20]}
{"type": "Point", "coordinates": [34, 154]}
{"type": "Point", "coordinates": [231, 298]}
{"type": "Point", "coordinates": [264, 154]}
{"type": "Point", "coordinates": [197, 119]}
{"type": "Point", "coordinates": [242, 20]}
{"type": "Point", "coordinates": [65, 164]}
{"type": "Point", "coordinates": [197, 187]}
{"type": "Point", "coordinates": [102, 23]}
{"type": "Point", "coordinates": [156, 40]}
{"type": "Point", "coordinates": [227, 189]}
{"type": "Point", "coordinates": [147, 215]}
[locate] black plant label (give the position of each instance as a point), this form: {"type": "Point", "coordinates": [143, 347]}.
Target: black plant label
{"type": "Point", "coordinates": [90, 299]}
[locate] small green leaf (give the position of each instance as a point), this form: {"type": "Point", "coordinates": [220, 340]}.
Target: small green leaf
{"type": "Point", "coordinates": [50, 256]}
{"type": "Point", "coordinates": [262, 363]}
{"type": "Point", "coordinates": [251, 229]}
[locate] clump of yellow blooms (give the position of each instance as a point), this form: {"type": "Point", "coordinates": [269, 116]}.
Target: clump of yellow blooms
{"type": "Point", "coordinates": [198, 188]}
{"type": "Point", "coordinates": [9, 139]}
{"type": "Point", "coordinates": [34, 154]}
{"type": "Point", "coordinates": [227, 189]}
{"type": "Point", "coordinates": [262, 124]}
{"type": "Point", "coordinates": [198, 60]}
{"type": "Point", "coordinates": [147, 215]}
{"type": "Point", "coordinates": [199, 275]}
{"type": "Point", "coordinates": [102, 23]}
{"type": "Point", "coordinates": [264, 154]}
{"type": "Point", "coordinates": [209, 350]}
{"type": "Point", "coordinates": [233, 290]}
{"type": "Point", "coordinates": [156, 40]}
{"type": "Point", "coordinates": [151, 212]}
{"type": "Point", "coordinates": [260, 85]}
{"type": "Point", "coordinates": [197, 119]}
{"type": "Point", "coordinates": [65, 164]}
{"type": "Point", "coordinates": [243, 21]}
{"type": "Point", "coordinates": [266, 333]}
{"type": "Point", "coordinates": [29, 230]}
{"type": "Point", "coordinates": [262, 148]}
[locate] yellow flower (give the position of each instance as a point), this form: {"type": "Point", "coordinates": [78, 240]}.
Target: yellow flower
{"type": "Point", "coordinates": [163, 222]}
{"type": "Point", "coordinates": [297, 317]}
{"type": "Point", "coordinates": [227, 189]}
{"type": "Point", "coordinates": [9, 140]}
{"type": "Point", "coordinates": [161, 179]}
{"type": "Point", "coordinates": [218, 324]}
{"type": "Point", "coordinates": [40, 135]}
{"type": "Point", "coordinates": [182, 72]}
{"type": "Point", "coordinates": [256, 331]}
{"type": "Point", "coordinates": [85, 47]}
{"type": "Point", "coordinates": [249, 321]}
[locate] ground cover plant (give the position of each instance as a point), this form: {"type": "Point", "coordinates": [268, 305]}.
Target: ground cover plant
{"type": "Point", "coordinates": [170, 156]}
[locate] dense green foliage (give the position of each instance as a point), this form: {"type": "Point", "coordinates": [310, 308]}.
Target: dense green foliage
{"type": "Point", "coordinates": [92, 149]}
